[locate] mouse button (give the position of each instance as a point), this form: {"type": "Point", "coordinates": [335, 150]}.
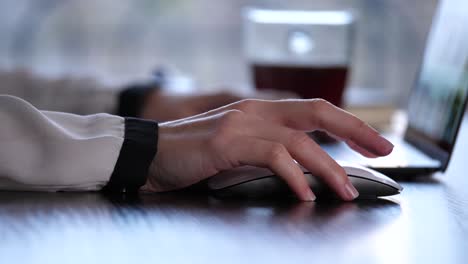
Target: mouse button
{"type": "Point", "coordinates": [235, 176]}
{"type": "Point", "coordinates": [370, 174]}
{"type": "Point", "coordinates": [387, 180]}
{"type": "Point", "coordinates": [359, 171]}
{"type": "Point", "coordinates": [370, 188]}
{"type": "Point", "coordinates": [378, 176]}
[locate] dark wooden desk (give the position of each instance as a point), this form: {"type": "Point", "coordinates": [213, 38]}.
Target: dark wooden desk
{"type": "Point", "coordinates": [427, 223]}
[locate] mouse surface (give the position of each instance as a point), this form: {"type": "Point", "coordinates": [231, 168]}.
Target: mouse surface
{"type": "Point", "coordinates": [248, 181]}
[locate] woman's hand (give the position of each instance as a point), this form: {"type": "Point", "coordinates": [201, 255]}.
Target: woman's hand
{"type": "Point", "coordinates": [261, 133]}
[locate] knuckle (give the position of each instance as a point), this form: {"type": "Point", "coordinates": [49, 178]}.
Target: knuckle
{"type": "Point", "coordinates": [320, 107]}
{"type": "Point", "coordinates": [246, 105]}
{"type": "Point", "coordinates": [231, 118]}
{"type": "Point", "coordinates": [319, 104]}
{"type": "Point", "coordinates": [359, 124]}
{"type": "Point", "coordinates": [276, 152]}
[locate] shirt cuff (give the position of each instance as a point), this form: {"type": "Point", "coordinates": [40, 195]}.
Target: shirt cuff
{"type": "Point", "coordinates": [138, 151]}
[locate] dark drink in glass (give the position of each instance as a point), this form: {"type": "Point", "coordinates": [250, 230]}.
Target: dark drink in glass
{"type": "Point", "coordinates": [306, 52]}
{"type": "Point", "coordinates": [308, 81]}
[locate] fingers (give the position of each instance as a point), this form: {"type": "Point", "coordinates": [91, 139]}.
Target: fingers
{"type": "Point", "coordinates": [305, 151]}
{"type": "Point", "coordinates": [309, 115]}
{"type": "Point", "coordinates": [354, 131]}
{"type": "Point", "coordinates": [273, 155]}
{"type": "Point", "coordinates": [319, 114]}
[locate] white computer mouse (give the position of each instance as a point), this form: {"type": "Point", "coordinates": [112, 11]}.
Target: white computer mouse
{"type": "Point", "coordinates": [248, 181]}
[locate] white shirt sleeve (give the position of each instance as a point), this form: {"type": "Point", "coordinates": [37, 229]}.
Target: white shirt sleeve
{"type": "Point", "coordinates": [53, 151]}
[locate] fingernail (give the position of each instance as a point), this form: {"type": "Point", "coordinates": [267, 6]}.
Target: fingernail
{"type": "Point", "coordinates": [351, 192]}
{"type": "Point", "coordinates": [310, 196]}
{"type": "Point", "coordinates": [386, 146]}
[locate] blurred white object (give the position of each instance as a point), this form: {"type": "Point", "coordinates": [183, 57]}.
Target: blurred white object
{"type": "Point", "coordinates": [298, 37]}
{"type": "Point", "coordinates": [175, 81]}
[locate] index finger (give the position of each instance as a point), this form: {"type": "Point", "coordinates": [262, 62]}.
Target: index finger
{"type": "Point", "coordinates": [308, 115]}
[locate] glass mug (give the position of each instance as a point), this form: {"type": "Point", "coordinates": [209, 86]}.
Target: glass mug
{"type": "Point", "coordinates": [306, 52]}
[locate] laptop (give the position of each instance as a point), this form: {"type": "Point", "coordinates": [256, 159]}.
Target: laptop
{"type": "Point", "coordinates": [436, 105]}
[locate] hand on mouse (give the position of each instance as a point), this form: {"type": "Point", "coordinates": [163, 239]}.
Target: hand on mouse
{"type": "Point", "coordinates": [261, 133]}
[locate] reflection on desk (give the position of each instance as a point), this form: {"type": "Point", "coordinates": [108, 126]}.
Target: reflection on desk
{"type": "Point", "coordinates": [81, 228]}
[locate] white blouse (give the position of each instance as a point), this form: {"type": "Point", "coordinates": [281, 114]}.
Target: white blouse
{"type": "Point", "coordinates": [53, 151]}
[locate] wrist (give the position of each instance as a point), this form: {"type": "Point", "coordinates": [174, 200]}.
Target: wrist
{"type": "Point", "coordinates": [136, 154]}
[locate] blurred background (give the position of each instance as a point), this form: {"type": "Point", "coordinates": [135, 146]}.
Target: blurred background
{"type": "Point", "coordinates": [121, 41]}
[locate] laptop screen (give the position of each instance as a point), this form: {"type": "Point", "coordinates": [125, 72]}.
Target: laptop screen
{"type": "Point", "coordinates": [438, 99]}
